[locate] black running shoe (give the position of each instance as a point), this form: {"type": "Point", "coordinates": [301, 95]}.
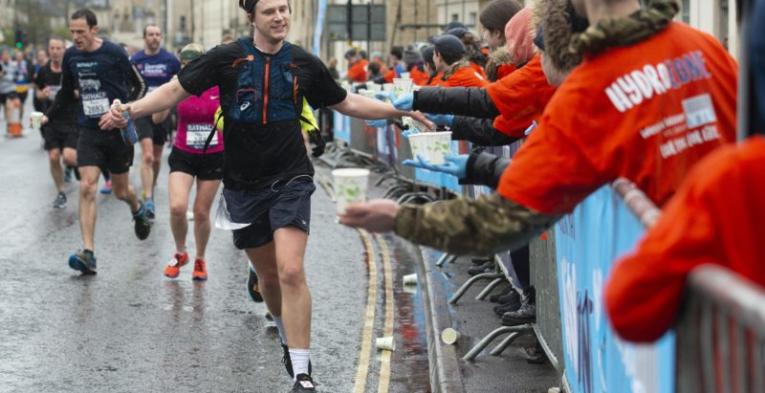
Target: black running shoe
{"type": "Point", "coordinates": [142, 222]}
{"type": "Point", "coordinates": [60, 201]}
{"type": "Point", "coordinates": [303, 383]}
{"type": "Point", "coordinates": [287, 361]}
{"type": "Point", "coordinates": [83, 261]}
{"type": "Point", "coordinates": [253, 288]}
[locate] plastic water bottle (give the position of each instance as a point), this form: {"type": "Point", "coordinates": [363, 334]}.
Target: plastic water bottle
{"type": "Point", "coordinates": [129, 135]}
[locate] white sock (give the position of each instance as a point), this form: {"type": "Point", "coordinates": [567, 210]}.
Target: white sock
{"type": "Point", "coordinates": [300, 359]}
{"type": "Point", "coordinates": [280, 328]}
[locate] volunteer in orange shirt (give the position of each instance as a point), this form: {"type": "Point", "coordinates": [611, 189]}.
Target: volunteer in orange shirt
{"type": "Point", "coordinates": [652, 97]}
{"type": "Point", "coordinates": [715, 218]}
{"type": "Point", "coordinates": [357, 66]}
{"type": "Point", "coordinates": [494, 18]}
{"type": "Point", "coordinates": [449, 58]}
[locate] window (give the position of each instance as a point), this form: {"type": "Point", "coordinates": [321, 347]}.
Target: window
{"type": "Point", "coordinates": [455, 17]}
{"type": "Point", "coordinates": [182, 23]}
{"type": "Point", "coordinates": [685, 11]}
{"type": "Point", "coordinates": [473, 17]}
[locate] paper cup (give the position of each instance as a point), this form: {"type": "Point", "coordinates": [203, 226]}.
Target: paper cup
{"type": "Point", "coordinates": [410, 279]}
{"type": "Point", "coordinates": [368, 93]}
{"type": "Point", "coordinates": [385, 343]}
{"type": "Point", "coordinates": [402, 86]}
{"type": "Point", "coordinates": [406, 75]}
{"type": "Point", "coordinates": [450, 336]}
{"type": "Point", "coordinates": [387, 87]}
{"type": "Point", "coordinates": [432, 146]}
{"type": "Point", "coordinates": [375, 87]}
{"type": "Point", "coordinates": [36, 118]}
{"type": "Point", "coordinates": [350, 186]}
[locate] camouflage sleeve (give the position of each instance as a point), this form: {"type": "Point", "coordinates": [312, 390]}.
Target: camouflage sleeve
{"type": "Point", "coordinates": [463, 226]}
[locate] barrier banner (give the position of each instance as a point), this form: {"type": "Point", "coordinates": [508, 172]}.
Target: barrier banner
{"type": "Point", "coordinates": [342, 127]}
{"type": "Point", "coordinates": [588, 242]}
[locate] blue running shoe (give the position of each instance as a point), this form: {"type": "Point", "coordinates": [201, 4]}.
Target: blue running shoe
{"type": "Point", "coordinates": [149, 205]}
{"type": "Point", "coordinates": [142, 222]}
{"type": "Point", "coordinates": [83, 261]}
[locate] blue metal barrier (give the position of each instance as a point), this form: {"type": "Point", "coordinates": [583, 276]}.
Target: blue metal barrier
{"type": "Point", "coordinates": [588, 241]}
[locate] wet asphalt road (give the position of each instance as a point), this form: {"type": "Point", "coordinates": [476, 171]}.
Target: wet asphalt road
{"type": "Point", "coordinates": [130, 329]}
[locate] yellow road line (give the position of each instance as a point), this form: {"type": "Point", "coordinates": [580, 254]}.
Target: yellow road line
{"type": "Point", "coordinates": [384, 381]}
{"type": "Point", "coordinates": [362, 370]}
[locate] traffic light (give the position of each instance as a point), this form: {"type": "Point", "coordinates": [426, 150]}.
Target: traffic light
{"type": "Point", "coordinates": [19, 39]}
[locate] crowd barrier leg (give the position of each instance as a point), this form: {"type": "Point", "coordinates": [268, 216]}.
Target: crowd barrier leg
{"type": "Point", "coordinates": [515, 332]}
{"type": "Point", "coordinates": [446, 258]}
{"type": "Point", "coordinates": [486, 291]}
{"type": "Point", "coordinates": [469, 283]}
{"type": "Point", "coordinates": [506, 343]}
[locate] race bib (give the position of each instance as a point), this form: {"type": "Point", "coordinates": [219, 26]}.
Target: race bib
{"type": "Point", "coordinates": [95, 104]}
{"type": "Point", "coordinates": [196, 135]}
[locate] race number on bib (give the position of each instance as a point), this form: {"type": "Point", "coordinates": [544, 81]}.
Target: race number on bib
{"type": "Point", "coordinates": [196, 135]}
{"type": "Point", "coordinates": [95, 104]}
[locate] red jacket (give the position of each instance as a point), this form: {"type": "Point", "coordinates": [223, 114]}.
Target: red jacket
{"type": "Point", "coordinates": [464, 77]}
{"type": "Point", "coordinates": [715, 217]}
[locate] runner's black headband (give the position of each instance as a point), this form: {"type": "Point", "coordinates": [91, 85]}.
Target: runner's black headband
{"type": "Point", "coordinates": [249, 5]}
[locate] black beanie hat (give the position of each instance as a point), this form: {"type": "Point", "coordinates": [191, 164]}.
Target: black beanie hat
{"type": "Point", "coordinates": [450, 48]}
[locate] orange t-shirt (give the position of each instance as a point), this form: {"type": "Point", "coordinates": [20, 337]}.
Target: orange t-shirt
{"type": "Point", "coordinates": [436, 79]}
{"type": "Point", "coordinates": [716, 217]}
{"type": "Point", "coordinates": [358, 71]}
{"type": "Point", "coordinates": [390, 75]}
{"type": "Point", "coordinates": [646, 112]}
{"type": "Point", "coordinates": [463, 77]}
{"type": "Point", "coordinates": [504, 70]}
{"type": "Point", "coordinates": [520, 97]}
{"type": "Point", "coordinates": [420, 78]}
{"type": "Point", "coordinates": [477, 68]}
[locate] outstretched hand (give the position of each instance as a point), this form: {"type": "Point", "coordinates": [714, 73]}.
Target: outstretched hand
{"type": "Point", "coordinates": [455, 165]}
{"type": "Point", "coordinates": [378, 215]}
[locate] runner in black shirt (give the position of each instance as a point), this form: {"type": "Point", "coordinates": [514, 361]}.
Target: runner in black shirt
{"type": "Point", "coordinates": [267, 174]}
{"type": "Point", "coordinates": [99, 71]}
{"type": "Point", "coordinates": [60, 135]}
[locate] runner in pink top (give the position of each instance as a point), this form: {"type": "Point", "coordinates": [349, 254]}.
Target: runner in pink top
{"type": "Point", "coordinates": [190, 160]}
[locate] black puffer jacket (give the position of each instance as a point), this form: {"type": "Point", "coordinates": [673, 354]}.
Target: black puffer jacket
{"type": "Point", "coordinates": [480, 131]}
{"type": "Point", "coordinates": [463, 101]}
{"type": "Point", "coordinates": [484, 169]}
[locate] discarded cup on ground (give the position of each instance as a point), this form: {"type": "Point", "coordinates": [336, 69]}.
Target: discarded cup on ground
{"type": "Point", "coordinates": [450, 336]}
{"type": "Point", "coordinates": [350, 186]}
{"type": "Point", "coordinates": [432, 146]}
{"type": "Point", "coordinates": [36, 118]}
{"type": "Point", "coordinates": [385, 343]}
{"type": "Point", "coordinates": [410, 279]}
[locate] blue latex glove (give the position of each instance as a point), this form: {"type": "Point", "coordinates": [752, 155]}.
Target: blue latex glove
{"type": "Point", "coordinates": [404, 102]}
{"type": "Point", "coordinates": [440, 120]}
{"type": "Point", "coordinates": [455, 165]}
{"type": "Point", "coordinates": [384, 95]}
{"type": "Point", "coordinates": [381, 123]}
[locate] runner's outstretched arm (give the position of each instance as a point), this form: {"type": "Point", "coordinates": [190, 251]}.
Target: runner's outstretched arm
{"type": "Point", "coordinates": [361, 107]}
{"type": "Point", "coordinates": [165, 97]}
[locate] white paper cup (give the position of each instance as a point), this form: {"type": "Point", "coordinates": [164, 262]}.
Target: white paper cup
{"type": "Point", "coordinates": [410, 279]}
{"type": "Point", "coordinates": [385, 343]}
{"type": "Point", "coordinates": [450, 336]}
{"type": "Point", "coordinates": [387, 87]}
{"type": "Point", "coordinates": [350, 186]}
{"type": "Point", "coordinates": [368, 93]}
{"type": "Point", "coordinates": [402, 86]}
{"type": "Point", "coordinates": [406, 75]}
{"type": "Point", "coordinates": [36, 118]}
{"type": "Point", "coordinates": [375, 87]}
{"type": "Point", "coordinates": [432, 146]}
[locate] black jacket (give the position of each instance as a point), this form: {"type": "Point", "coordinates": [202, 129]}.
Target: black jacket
{"type": "Point", "coordinates": [463, 101]}
{"type": "Point", "coordinates": [485, 169]}
{"type": "Point", "coordinates": [479, 131]}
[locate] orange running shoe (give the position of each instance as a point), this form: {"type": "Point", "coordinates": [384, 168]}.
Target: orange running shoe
{"type": "Point", "coordinates": [200, 270]}
{"type": "Point", "coordinates": [174, 267]}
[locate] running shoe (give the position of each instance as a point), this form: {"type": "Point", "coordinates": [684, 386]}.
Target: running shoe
{"type": "Point", "coordinates": [83, 261]}
{"type": "Point", "coordinates": [149, 203]}
{"type": "Point", "coordinates": [60, 201]}
{"type": "Point", "coordinates": [303, 383]}
{"type": "Point", "coordinates": [287, 361]}
{"type": "Point", "coordinates": [142, 223]}
{"type": "Point", "coordinates": [200, 270]}
{"type": "Point", "coordinates": [68, 174]}
{"type": "Point", "coordinates": [107, 188]}
{"type": "Point", "coordinates": [253, 288]}
{"type": "Point", "coordinates": [174, 267]}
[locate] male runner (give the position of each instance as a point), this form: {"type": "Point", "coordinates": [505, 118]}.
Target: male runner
{"type": "Point", "coordinates": [267, 174]}
{"type": "Point", "coordinates": [157, 66]}
{"type": "Point", "coordinates": [100, 72]}
{"type": "Point", "coordinates": [60, 134]}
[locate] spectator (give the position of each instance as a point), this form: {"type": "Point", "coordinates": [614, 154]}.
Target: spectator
{"type": "Point", "coordinates": [374, 74]}
{"type": "Point", "coordinates": [357, 66]}
{"type": "Point", "coordinates": [397, 66]}
{"type": "Point", "coordinates": [429, 65]}
{"type": "Point", "coordinates": [377, 58]}
{"type": "Point", "coordinates": [414, 66]}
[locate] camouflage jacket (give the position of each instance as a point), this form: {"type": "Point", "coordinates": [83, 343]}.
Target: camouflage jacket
{"type": "Point", "coordinates": [462, 226]}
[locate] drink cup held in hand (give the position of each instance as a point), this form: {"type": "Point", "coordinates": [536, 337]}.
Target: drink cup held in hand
{"type": "Point", "coordinates": [375, 87]}
{"type": "Point", "coordinates": [406, 75]}
{"type": "Point", "coordinates": [350, 186]}
{"type": "Point", "coordinates": [387, 87]}
{"type": "Point", "coordinates": [368, 93]}
{"type": "Point", "coordinates": [36, 118]}
{"type": "Point", "coordinates": [402, 86]}
{"type": "Point", "coordinates": [432, 146]}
